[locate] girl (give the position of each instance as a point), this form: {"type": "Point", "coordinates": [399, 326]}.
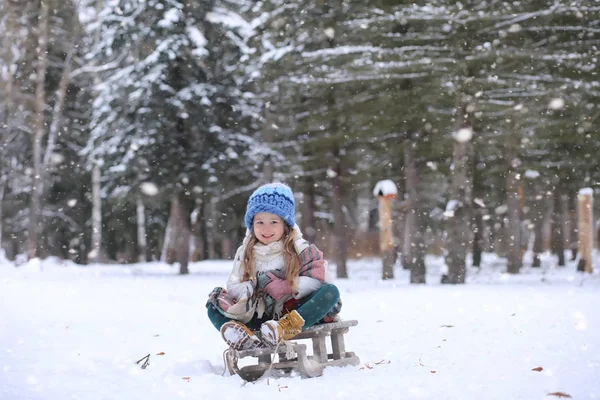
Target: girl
{"type": "Point", "coordinates": [277, 285]}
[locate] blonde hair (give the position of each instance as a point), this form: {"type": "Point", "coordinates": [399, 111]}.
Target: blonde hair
{"type": "Point", "coordinates": [290, 258]}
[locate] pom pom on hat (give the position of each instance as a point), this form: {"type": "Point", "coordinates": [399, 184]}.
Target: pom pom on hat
{"type": "Point", "coordinates": [274, 198]}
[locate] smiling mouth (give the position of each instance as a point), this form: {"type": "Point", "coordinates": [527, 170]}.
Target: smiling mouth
{"type": "Point", "coordinates": [267, 236]}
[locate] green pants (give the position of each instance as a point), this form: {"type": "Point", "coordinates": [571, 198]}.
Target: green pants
{"type": "Point", "coordinates": [311, 308]}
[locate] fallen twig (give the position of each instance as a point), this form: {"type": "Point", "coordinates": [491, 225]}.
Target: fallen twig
{"type": "Point", "coordinates": [146, 360]}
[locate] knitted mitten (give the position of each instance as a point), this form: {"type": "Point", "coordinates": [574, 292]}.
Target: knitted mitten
{"type": "Point", "coordinates": [278, 288]}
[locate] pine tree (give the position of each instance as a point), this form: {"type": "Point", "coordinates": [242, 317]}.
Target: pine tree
{"type": "Point", "coordinates": [169, 112]}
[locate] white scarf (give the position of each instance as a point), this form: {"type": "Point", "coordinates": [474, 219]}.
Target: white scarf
{"type": "Point", "coordinates": [261, 250]}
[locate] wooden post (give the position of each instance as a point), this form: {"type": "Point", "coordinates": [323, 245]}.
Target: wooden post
{"type": "Point", "coordinates": [385, 191]}
{"type": "Point", "coordinates": [585, 203]}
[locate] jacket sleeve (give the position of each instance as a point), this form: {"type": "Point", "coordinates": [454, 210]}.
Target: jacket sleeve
{"type": "Point", "coordinates": [235, 287]}
{"type": "Point", "coordinates": [312, 272]}
{"type": "Point", "coordinates": [307, 285]}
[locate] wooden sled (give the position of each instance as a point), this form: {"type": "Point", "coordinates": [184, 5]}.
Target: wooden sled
{"type": "Point", "coordinates": [293, 356]}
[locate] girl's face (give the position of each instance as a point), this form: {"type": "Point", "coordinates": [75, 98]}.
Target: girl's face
{"type": "Point", "coordinates": [268, 227]}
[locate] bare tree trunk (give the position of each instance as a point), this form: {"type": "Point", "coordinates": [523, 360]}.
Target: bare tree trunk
{"type": "Point", "coordinates": [339, 224]}
{"type": "Point", "coordinates": [513, 211]}
{"type": "Point", "coordinates": [477, 206]}
{"type": "Point", "coordinates": [6, 76]}
{"type": "Point", "coordinates": [416, 261]}
{"type": "Point", "coordinates": [199, 231]}
{"type": "Point", "coordinates": [59, 102]}
{"type": "Point", "coordinates": [478, 232]}
{"type": "Point", "coordinates": [269, 126]}
{"type": "Point", "coordinates": [361, 212]}
{"type": "Point", "coordinates": [340, 229]}
{"type": "Point", "coordinates": [181, 231]}
{"type": "Point", "coordinates": [95, 254]}
{"type": "Point", "coordinates": [165, 254]}
{"type": "Point", "coordinates": [514, 223]}
{"type": "Point", "coordinates": [547, 222]}
{"type": "Point", "coordinates": [558, 239]}
{"type": "Point", "coordinates": [566, 221]}
{"type": "Point", "coordinates": [309, 223]}
{"type": "Point", "coordinates": [227, 251]}
{"type": "Point", "coordinates": [537, 219]}
{"type": "Point", "coordinates": [2, 188]}
{"type": "Point", "coordinates": [487, 240]}
{"type": "Point", "coordinates": [566, 218]}
{"type": "Point", "coordinates": [458, 210]}
{"type": "Point", "coordinates": [50, 242]}
{"type": "Point", "coordinates": [141, 229]}
{"type": "Point", "coordinates": [39, 132]}
{"type": "Point", "coordinates": [171, 233]}
{"type": "Point", "coordinates": [211, 214]}
{"type": "Point", "coordinates": [499, 234]}
{"type": "Point", "coordinates": [572, 201]}
{"type": "Point", "coordinates": [7, 80]}
{"type": "Point", "coordinates": [537, 244]}
{"type": "Point", "coordinates": [408, 222]}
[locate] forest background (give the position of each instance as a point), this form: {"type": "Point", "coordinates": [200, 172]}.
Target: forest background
{"type": "Point", "coordinates": [135, 130]}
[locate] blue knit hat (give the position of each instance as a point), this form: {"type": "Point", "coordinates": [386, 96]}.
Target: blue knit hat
{"type": "Point", "coordinates": [274, 198]}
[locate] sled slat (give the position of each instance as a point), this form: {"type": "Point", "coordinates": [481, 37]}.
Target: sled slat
{"type": "Point", "coordinates": [264, 358]}
{"type": "Point", "coordinates": [325, 329]}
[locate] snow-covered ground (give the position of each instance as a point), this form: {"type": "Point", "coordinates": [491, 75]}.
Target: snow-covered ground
{"type": "Point", "coordinates": [70, 332]}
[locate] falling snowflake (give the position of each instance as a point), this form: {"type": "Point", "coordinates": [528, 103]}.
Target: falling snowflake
{"type": "Point", "coordinates": [149, 188]}
{"type": "Point", "coordinates": [556, 104]}
{"type": "Point", "coordinates": [464, 134]}
{"type": "Point", "coordinates": [330, 33]}
{"type": "Point", "coordinates": [514, 28]}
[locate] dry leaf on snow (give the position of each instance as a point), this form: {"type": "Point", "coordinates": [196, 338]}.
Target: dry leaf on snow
{"type": "Point", "coordinates": [538, 369]}
{"type": "Point", "coordinates": [162, 353]}
{"type": "Point", "coordinates": [559, 394]}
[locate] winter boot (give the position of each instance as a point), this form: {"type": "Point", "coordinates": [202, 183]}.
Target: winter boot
{"type": "Point", "coordinates": [238, 336]}
{"type": "Point", "coordinates": [285, 328]}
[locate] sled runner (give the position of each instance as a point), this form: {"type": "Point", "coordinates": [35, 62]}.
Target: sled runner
{"type": "Point", "coordinates": [292, 355]}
